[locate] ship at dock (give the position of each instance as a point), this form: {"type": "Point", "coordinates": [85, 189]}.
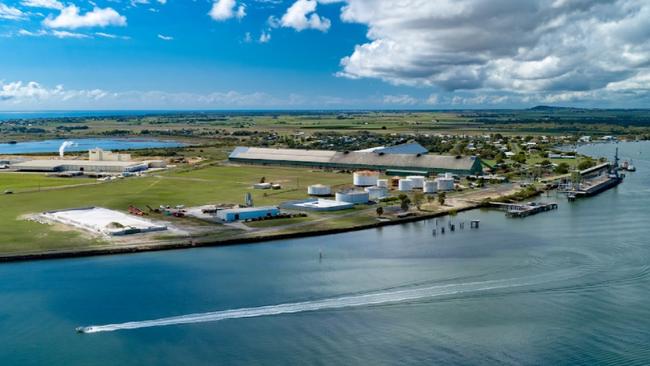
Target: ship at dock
{"type": "Point", "coordinates": [594, 180]}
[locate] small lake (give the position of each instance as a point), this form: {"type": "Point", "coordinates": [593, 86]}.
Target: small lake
{"type": "Point", "coordinates": [51, 146]}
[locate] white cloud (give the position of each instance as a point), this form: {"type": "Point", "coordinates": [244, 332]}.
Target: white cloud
{"type": "Point", "coordinates": [402, 99]}
{"type": "Point", "coordinates": [66, 34]}
{"type": "Point", "coordinates": [165, 38]}
{"type": "Point", "coordinates": [302, 15]}
{"type": "Point", "coordinates": [225, 9]}
{"type": "Point", "coordinates": [557, 47]}
{"type": "Point", "coordinates": [47, 4]}
{"type": "Point", "coordinates": [10, 12]}
{"type": "Point", "coordinates": [70, 18]}
{"type": "Point", "coordinates": [265, 37]}
{"type": "Point", "coordinates": [26, 33]}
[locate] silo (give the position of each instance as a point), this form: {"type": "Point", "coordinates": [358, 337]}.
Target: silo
{"type": "Point", "coordinates": [383, 183]}
{"type": "Point", "coordinates": [430, 186]}
{"type": "Point", "coordinates": [418, 180]}
{"type": "Point", "coordinates": [353, 197]}
{"type": "Point", "coordinates": [319, 190]}
{"type": "Point", "coordinates": [405, 185]}
{"type": "Point", "coordinates": [376, 193]}
{"type": "Point", "coordinates": [365, 178]}
{"type": "Point", "coordinates": [445, 184]}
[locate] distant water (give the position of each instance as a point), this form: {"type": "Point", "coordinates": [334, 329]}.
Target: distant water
{"type": "Point", "coordinates": [6, 116]}
{"type": "Point", "coordinates": [49, 146]}
{"type": "Point", "coordinates": [568, 287]}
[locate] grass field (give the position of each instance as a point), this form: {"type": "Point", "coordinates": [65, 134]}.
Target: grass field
{"type": "Point", "coordinates": [219, 184]}
{"type": "Point", "coordinates": [16, 182]}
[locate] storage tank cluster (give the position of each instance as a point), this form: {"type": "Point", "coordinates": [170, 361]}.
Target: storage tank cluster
{"type": "Point", "coordinates": [355, 197]}
{"type": "Point", "coordinates": [319, 190]}
{"type": "Point", "coordinates": [365, 178]}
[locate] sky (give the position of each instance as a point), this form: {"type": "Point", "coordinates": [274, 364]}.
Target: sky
{"type": "Point", "coordinates": [323, 54]}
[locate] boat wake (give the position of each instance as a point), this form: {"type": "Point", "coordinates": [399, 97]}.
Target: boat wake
{"type": "Point", "coordinates": [369, 299]}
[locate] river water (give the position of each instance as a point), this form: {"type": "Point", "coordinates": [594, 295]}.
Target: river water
{"type": "Point", "coordinates": [565, 287]}
{"type": "Point", "coordinates": [84, 144]}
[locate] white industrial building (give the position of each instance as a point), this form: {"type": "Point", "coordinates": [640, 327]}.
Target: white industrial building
{"type": "Point", "coordinates": [319, 205]}
{"type": "Point", "coordinates": [59, 165]}
{"type": "Point", "coordinates": [247, 213]}
{"type": "Point", "coordinates": [98, 154]}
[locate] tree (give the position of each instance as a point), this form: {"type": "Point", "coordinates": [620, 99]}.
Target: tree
{"type": "Point", "coordinates": [586, 164]}
{"type": "Point", "coordinates": [520, 158]}
{"type": "Point", "coordinates": [442, 196]}
{"type": "Point", "coordinates": [418, 198]}
{"type": "Point", "coordinates": [562, 168]}
{"type": "Point", "coordinates": [406, 202]}
{"type": "Point", "coordinates": [380, 211]}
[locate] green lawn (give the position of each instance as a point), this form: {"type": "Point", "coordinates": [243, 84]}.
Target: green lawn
{"type": "Point", "coordinates": [210, 185]}
{"type": "Point", "coordinates": [18, 182]}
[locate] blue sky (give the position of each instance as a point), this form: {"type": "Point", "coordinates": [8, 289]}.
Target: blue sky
{"type": "Point", "coordinates": [325, 54]}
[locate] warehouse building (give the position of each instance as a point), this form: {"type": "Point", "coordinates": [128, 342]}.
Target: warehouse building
{"type": "Point", "coordinates": [247, 213]}
{"type": "Point", "coordinates": [397, 164]}
{"type": "Point", "coordinates": [85, 166]}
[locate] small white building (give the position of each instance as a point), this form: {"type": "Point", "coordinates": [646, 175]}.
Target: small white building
{"type": "Point", "coordinates": [247, 213]}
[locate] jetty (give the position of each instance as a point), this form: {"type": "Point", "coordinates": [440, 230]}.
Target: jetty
{"type": "Point", "coordinates": [525, 209]}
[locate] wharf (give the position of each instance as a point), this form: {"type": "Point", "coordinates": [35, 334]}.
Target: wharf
{"type": "Point", "coordinates": [524, 210]}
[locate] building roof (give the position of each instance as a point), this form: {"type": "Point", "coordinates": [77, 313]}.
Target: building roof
{"type": "Point", "coordinates": [259, 153]}
{"type": "Point", "coordinates": [408, 148]}
{"type": "Point", "coordinates": [357, 159]}
{"type": "Point", "coordinates": [249, 209]}
{"type": "Point", "coordinates": [54, 163]}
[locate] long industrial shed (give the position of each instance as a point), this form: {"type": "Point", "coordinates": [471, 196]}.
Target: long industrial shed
{"type": "Point", "coordinates": [411, 163]}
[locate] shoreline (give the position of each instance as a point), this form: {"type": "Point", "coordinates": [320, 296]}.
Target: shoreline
{"type": "Point", "coordinates": [81, 253]}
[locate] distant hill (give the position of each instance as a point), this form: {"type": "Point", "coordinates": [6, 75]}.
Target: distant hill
{"type": "Point", "coordinates": [552, 108]}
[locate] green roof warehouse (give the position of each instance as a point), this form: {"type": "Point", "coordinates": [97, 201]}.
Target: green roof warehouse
{"type": "Point", "coordinates": [392, 163]}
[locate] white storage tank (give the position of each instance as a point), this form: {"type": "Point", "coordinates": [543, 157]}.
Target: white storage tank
{"type": "Point", "coordinates": [445, 184]}
{"type": "Point", "coordinates": [353, 197]}
{"type": "Point", "coordinates": [405, 185]}
{"type": "Point", "coordinates": [319, 190]}
{"type": "Point", "coordinates": [365, 178]}
{"type": "Point", "coordinates": [418, 180]}
{"type": "Point", "coordinates": [376, 193]}
{"type": "Point", "coordinates": [383, 183]}
{"type": "Point", "coordinates": [430, 186]}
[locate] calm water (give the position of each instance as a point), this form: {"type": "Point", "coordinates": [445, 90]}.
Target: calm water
{"type": "Point", "coordinates": [565, 287]}
{"type": "Point", "coordinates": [14, 115]}
{"type": "Point", "coordinates": [50, 146]}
